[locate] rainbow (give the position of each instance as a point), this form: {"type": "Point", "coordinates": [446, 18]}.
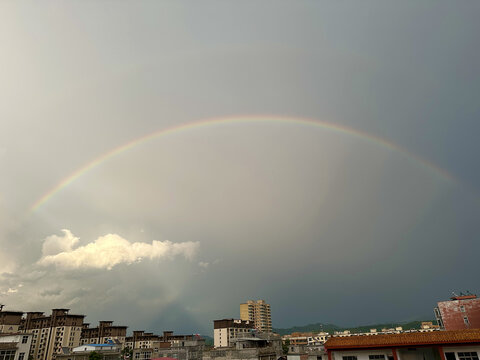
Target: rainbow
{"type": "Point", "coordinates": [335, 128]}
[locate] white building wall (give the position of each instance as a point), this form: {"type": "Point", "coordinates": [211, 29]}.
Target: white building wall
{"type": "Point", "coordinates": [457, 349]}
{"type": "Point", "coordinates": [361, 354]}
{"type": "Point", "coordinates": [220, 337]}
{"type": "Point", "coordinates": [88, 348]}
{"type": "Point", "coordinates": [402, 353]}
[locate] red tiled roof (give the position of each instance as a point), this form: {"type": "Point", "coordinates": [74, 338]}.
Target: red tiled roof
{"type": "Point", "coordinates": [404, 339]}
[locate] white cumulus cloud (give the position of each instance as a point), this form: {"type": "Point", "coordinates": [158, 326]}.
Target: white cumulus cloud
{"type": "Point", "coordinates": [108, 251]}
{"type": "Point", "coordinates": [55, 244]}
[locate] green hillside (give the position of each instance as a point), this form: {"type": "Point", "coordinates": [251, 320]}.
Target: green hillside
{"type": "Point", "coordinates": [331, 328]}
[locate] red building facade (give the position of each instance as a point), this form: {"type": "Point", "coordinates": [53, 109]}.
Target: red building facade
{"type": "Point", "coordinates": [460, 312]}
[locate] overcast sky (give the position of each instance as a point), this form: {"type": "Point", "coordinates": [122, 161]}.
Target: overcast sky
{"type": "Point", "coordinates": [179, 230]}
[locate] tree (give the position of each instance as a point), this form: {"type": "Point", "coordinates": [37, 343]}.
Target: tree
{"type": "Point", "coordinates": [95, 356]}
{"type": "Point", "coordinates": [285, 346]}
{"type": "Point", "coordinates": [127, 353]}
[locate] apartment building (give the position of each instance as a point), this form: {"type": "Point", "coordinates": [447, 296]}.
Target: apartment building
{"type": "Point", "coordinates": [148, 346]}
{"type": "Point", "coordinates": [189, 348]}
{"type": "Point", "coordinates": [298, 338]}
{"type": "Point", "coordinates": [142, 340]}
{"type": "Point", "coordinates": [103, 333]}
{"type": "Point", "coordinates": [52, 333]}
{"type": "Point", "coordinates": [259, 312]}
{"type": "Point", "coordinates": [460, 312]}
{"type": "Point", "coordinates": [10, 321]}
{"type": "Point", "coordinates": [306, 338]}
{"type": "Point", "coordinates": [262, 346]}
{"type": "Point", "coordinates": [152, 342]}
{"type": "Point", "coordinates": [225, 330]}
{"type": "Point", "coordinates": [15, 346]}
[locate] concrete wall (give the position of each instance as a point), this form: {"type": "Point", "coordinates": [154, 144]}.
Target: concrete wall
{"type": "Point", "coordinates": [300, 357]}
{"type": "Point", "coordinates": [244, 354]}
{"type": "Point", "coordinates": [185, 353]}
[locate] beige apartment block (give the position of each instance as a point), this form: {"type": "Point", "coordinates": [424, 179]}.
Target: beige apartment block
{"type": "Point", "coordinates": [103, 333]}
{"type": "Point", "coordinates": [259, 312]}
{"type": "Point", "coordinates": [52, 333]}
{"type": "Point", "coordinates": [150, 342]}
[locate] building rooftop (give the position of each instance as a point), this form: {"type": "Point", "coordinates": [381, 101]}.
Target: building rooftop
{"type": "Point", "coordinates": [404, 339]}
{"type": "Point", "coordinates": [464, 297]}
{"type": "Point", "coordinates": [99, 345]}
{"type": "Point", "coordinates": [11, 312]}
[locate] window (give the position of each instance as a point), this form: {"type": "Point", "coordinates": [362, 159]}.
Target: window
{"type": "Point", "coordinates": [465, 320]}
{"type": "Point", "coordinates": [373, 357]}
{"type": "Point", "coordinates": [450, 356]}
{"type": "Point", "coordinates": [467, 355]}
{"type": "Point", "coordinates": [21, 356]}
{"type": "Point", "coordinates": [462, 308]}
{"type": "Point", "coordinates": [24, 339]}
{"type": "Point", "coordinates": [7, 354]}
{"type": "Point", "coordinates": [349, 358]}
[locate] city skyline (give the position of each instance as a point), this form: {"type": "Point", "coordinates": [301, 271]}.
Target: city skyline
{"type": "Point", "coordinates": [163, 162]}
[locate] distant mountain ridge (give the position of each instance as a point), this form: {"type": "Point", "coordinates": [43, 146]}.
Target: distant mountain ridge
{"type": "Point", "coordinates": [208, 340]}
{"type": "Point", "coordinates": [331, 328]}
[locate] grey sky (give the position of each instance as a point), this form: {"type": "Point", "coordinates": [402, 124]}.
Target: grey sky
{"type": "Point", "coordinates": [324, 226]}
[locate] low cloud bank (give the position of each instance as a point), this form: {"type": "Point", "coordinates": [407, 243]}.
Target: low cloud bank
{"type": "Point", "coordinates": [108, 251]}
